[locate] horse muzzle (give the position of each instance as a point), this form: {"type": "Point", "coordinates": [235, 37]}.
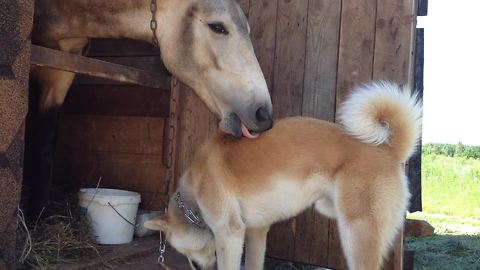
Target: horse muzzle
{"type": "Point", "coordinates": [257, 119]}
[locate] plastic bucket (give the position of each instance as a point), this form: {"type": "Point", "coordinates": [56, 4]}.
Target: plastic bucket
{"type": "Point", "coordinates": [111, 212]}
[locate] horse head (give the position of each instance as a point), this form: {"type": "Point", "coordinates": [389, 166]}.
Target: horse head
{"type": "Point", "coordinates": [206, 44]}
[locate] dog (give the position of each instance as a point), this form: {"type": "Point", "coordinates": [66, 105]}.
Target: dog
{"type": "Point", "coordinates": [352, 171]}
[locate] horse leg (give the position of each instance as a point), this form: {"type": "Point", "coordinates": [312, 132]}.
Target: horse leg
{"type": "Point", "coordinates": [54, 85]}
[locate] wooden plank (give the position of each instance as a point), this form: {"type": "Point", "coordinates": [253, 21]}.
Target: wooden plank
{"type": "Point", "coordinates": [263, 23]}
{"type": "Point", "coordinates": [414, 168]}
{"type": "Point", "coordinates": [120, 47]}
{"type": "Point", "coordinates": [148, 63]}
{"type": "Point", "coordinates": [323, 29]}
{"type": "Point", "coordinates": [290, 58]}
{"type": "Point", "coordinates": [131, 135]}
{"type": "Point", "coordinates": [193, 125]}
{"type": "Point", "coordinates": [394, 41]}
{"type": "Point", "coordinates": [152, 64]}
{"type": "Point", "coordinates": [408, 260]}
{"type": "Point", "coordinates": [422, 7]}
{"type": "Point", "coordinates": [139, 173]}
{"type": "Point", "coordinates": [355, 63]}
{"type": "Point", "coordinates": [319, 247]}
{"type": "Point", "coordinates": [287, 97]}
{"type": "Point", "coordinates": [42, 56]}
{"type": "Point", "coordinates": [117, 100]}
{"type": "Point", "coordinates": [394, 60]}
{"type": "Point", "coordinates": [395, 257]}
{"type": "Point", "coordinates": [304, 230]}
{"type": "Point", "coordinates": [336, 259]}
{"type": "Point", "coordinates": [245, 4]}
{"type": "Point", "coordinates": [357, 38]}
{"type": "Point", "coordinates": [321, 59]}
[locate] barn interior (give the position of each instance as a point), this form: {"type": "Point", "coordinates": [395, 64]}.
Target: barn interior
{"type": "Point", "coordinates": [141, 136]}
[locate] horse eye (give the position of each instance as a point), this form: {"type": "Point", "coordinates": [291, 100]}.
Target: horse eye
{"type": "Point", "coordinates": [218, 28]}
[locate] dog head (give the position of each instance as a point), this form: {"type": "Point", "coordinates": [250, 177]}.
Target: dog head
{"type": "Point", "coordinates": [195, 243]}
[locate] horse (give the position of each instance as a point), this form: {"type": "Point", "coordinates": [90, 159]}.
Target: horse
{"type": "Point", "coordinates": [204, 43]}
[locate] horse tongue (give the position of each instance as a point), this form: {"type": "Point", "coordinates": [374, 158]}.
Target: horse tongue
{"type": "Point", "coordinates": [247, 133]}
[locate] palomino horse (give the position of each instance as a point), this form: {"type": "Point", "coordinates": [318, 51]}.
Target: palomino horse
{"type": "Point", "coordinates": [205, 43]}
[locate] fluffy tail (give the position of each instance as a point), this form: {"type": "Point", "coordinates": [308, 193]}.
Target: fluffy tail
{"type": "Point", "coordinates": [383, 113]}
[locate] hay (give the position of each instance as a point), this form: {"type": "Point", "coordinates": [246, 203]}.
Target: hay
{"type": "Point", "coordinates": [55, 240]}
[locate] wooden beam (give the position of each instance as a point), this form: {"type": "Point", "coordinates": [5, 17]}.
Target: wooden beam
{"type": "Point", "coordinates": [56, 59]}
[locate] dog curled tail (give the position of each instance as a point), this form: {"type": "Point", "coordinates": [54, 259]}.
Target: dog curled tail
{"type": "Point", "coordinates": [383, 113]}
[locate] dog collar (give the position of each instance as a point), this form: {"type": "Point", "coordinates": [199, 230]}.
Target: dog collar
{"type": "Point", "coordinates": [192, 216]}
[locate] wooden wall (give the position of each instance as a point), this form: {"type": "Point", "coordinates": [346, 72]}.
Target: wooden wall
{"type": "Point", "coordinates": [312, 52]}
{"type": "Point", "coordinates": [114, 131]}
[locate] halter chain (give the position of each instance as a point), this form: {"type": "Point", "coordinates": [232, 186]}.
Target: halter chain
{"type": "Point", "coordinates": [168, 161]}
{"type": "Point", "coordinates": [153, 22]}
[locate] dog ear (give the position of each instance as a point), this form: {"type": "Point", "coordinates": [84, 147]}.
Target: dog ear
{"type": "Point", "coordinates": [159, 224]}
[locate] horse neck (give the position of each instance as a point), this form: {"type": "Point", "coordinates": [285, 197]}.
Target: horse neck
{"type": "Point", "coordinates": [60, 19]}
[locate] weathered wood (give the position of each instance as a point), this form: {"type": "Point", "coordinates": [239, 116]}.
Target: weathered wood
{"type": "Point", "coordinates": [357, 38]}
{"type": "Point", "coordinates": [336, 259]}
{"type": "Point", "coordinates": [194, 124]}
{"type": "Point", "coordinates": [422, 7]}
{"type": "Point", "coordinates": [117, 100]}
{"type": "Point", "coordinates": [287, 96]}
{"type": "Point", "coordinates": [395, 257]}
{"type": "Point", "coordinates": [408, 260]}
{"type": "Point", "coordinates": [311, 232]}
{"type": "Point", "coordinates": [133, 135]}
{"type": "Point", "coordinates": [289, 58]}
{"type": "Point", "coordinates": [394, 41]}
{"type": "Point", "coordinates": [125, 151]}
{"type": "Point", "coordinates": [245, 4]}
{"type": "Point", "coordinates": [263, 23]}
{"type": "Point", "coordinates": [319, 247]}
{"type": "Point", "coordinates": [321, 59]}
{"type": "Point", "coordinates": [355, 64]}
{"type": "Point", "coordinates": [414, 168]}
{"type": "Point", "coordinates": [120, 47]}
{"type": "Point", "coordinates": [42, 56]}
{"type": "Point", "coordinates": [393, 60]}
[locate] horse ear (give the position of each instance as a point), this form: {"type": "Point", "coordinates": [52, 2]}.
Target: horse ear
{"type": "Point", "coordinates": [159, 224]}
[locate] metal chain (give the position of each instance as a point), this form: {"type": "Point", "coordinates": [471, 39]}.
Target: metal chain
{"type": "Point", "coordinates": [153, 22]}
{"type": "Point", "coordinates": [168, 161]}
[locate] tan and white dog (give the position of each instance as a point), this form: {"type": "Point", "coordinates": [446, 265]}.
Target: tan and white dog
{"type": "Point", "coordinates": [352, 171]}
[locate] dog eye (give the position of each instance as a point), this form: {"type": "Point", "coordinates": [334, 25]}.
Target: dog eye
{"type": "Point", "coordinates": [218, 28]}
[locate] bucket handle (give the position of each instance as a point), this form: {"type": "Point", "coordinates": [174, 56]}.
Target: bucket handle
{"type": "Point", "coordinates": [120, 215]}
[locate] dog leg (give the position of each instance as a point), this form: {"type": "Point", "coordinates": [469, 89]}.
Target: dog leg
{"type": "Point", "coordinates": [229, 247]}
{"type": "Point", "coordinates": [255, 248]}
{"type": "Point", "coordinates": [361, 243]}
{"type": "Point", "coordinates": [229, 238]}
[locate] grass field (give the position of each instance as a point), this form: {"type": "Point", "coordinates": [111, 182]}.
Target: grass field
{"type": "Point", "coordinates": [451, 203]}
{"type": "Point", "coordinates": [451, 185]}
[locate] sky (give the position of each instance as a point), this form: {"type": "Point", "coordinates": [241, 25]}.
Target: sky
{"type": "Point", "coordinates": [452, 72]}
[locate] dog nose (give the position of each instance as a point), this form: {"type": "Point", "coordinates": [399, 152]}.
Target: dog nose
{"type": "Point", "coordinates": [263, 118]}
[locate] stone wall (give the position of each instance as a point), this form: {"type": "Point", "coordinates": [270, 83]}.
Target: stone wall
{"type": "Point", "coordinates": [15, 27]}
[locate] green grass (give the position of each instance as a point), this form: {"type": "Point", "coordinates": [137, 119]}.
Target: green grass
{"type": "Point", "coordinates": [451, 203]}
{"type": "Point", "coordinates": [442, 252]}
{"type": "Point", "coordinates": [451, 185]}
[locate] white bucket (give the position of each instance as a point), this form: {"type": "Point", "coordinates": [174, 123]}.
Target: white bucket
{"type": "Point", "coordinates": [112, 213]}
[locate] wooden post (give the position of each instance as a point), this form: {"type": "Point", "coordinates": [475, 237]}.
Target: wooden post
{"type": "Point", "coordinates": [15, 28]}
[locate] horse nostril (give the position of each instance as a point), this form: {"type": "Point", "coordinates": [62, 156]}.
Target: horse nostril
{"type": "Point", "coordinates": [262, 114]}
